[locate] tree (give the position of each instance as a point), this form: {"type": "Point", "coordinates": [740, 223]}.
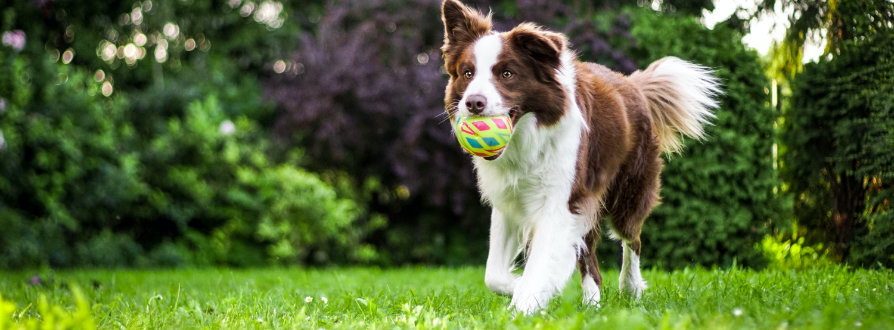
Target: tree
{"type": "Point", "coordinates": [718, 197]}
{"type": "Point", "coordinates": [838, 135]}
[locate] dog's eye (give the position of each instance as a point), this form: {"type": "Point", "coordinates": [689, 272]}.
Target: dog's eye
{"type": "Point", "coordinates": [467, 74]}
{"type": "Point", "coordinates": [507, 74]}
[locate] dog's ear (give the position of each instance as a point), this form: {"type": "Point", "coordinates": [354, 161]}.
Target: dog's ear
{"type": "Point", "coordinates": [462, 24]}
{"type": "Point", "coordinates": [543, 46]}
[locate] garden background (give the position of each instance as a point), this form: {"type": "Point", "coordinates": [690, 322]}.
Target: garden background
{"type": "Point", "coordinates": [164, 133]}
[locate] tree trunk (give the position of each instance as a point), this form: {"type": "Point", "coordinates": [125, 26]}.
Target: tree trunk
{"type": "Point", "coordinates": [849, 195]}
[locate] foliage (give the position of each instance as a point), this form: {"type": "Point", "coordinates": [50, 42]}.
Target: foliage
{"type": "Point", "coordinates": [793, 252]}
{"type": "Point", "coordinates": [838, 136]}
{"type": "Point", "coordinates": [692, 298]}
{"type": "Point", "coordinates": [98, 167]}
{"type": "Point", "coordinates": [810, 19]}
{"type": "Point", "coordinates": [48, 316]}
{"type": "Point", "coordinates": [718, 196]}
{"type": "Point", "coordinates": [363, 94]}
{"type": "Point", "coordinates": [687, 7]}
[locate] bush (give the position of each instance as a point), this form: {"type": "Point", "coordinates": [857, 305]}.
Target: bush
{"type": "Point", "coordinates": [49, 316]}
{"type": "Point", "coordinates": [166, 174]}
{"type": "Point", "coordinates": [838, 136]}
{"type": "Point", "coordinates": [793, 252]}
{"type": "Point", "coordinates": [363, 94]}
{"type": "Point", "coordinates": [64, 168]}
{"type": "Point", "coordinates": [718, 196]}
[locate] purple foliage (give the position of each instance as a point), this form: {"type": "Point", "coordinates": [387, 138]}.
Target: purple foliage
{"type": "Point", "coordinates": [364, 94]}
{"type": "Point", "coordinates": [367, 90]}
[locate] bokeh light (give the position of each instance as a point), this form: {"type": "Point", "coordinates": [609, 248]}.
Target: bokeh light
{"type": "Point", "coordinates": [171, 30]}
{"type": "Point", "coordinates": [139, 39]}
{"type": "Point", "coordinates": [67, 56]}
{"type": "Point", "coordinates": [279, 66]}
{"type": "Point", "coordinates": [189, 45]}
{"type": "Point", "coordinates": [107, 89]}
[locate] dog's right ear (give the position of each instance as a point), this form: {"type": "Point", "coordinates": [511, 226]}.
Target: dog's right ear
{"type": "Point", "coordinates": [462, 24]}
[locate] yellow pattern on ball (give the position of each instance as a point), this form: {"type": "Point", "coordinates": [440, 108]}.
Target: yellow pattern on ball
{"type": "Point", "coordinates": [484, 136]}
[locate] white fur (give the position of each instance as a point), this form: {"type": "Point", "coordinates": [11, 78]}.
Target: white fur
{"type": "Point", "coordinates": [680, 96]}
{"type": "Point", "coordinates": [529, 186]}
{"type": "Point", "coordinates": [486, 51]}
{"type": "Point", "coordinates": [631, 280]}
{"type": "Point", "coordinates": [590, 289]}
{"type": "Point", "coordinates": [505, 245]}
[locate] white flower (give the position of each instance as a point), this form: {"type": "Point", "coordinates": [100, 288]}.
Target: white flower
{"type": "Point", "coordinates": [14, 39]}
{"type": "Point", "coordinates": [227, 127]}
{"type": "Point", "coordinates": [260, 320]}
{"type": "Point", "coordinates": [308, 299]}
{"type": "Point", "coordinates": [324, 300]}
{"type": "Point", "coordinates": [737, 312]}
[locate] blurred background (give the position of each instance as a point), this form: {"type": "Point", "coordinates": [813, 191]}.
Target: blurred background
{"type": "Point", "coordinates": [164, 133]}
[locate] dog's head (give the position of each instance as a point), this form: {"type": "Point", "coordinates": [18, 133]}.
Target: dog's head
{"type": "Point", "coordinates": [501, 73]}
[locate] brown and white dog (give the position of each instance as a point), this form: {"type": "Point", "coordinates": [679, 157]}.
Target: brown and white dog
{"type": "Point", "coordinates": [587, 142]}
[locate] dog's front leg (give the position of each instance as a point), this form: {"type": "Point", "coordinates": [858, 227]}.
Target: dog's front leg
{"type": "Point", "coordinates": [504, 247]}
{"type": "Point", "coordinates": [551, 261]}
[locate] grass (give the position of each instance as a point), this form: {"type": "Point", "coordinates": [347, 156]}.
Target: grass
{"type": "Point", "coordinates": [831, 298]}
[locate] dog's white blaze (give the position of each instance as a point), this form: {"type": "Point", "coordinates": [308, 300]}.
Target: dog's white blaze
{"type": "Point", "coordinates": [590, 290]}
{"type": "Point", "coordinates": [631, 280]}
{"type": "Point", "coordinates": [530, 185]}
{"type": "Point", "coordinates": [486, 51]}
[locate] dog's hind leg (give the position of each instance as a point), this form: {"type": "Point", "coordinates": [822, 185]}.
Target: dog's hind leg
{"type": "Point", "coordinates": [631, 279]}
{"type": "Point", "coordinates": [630, 202]}
{"type": "Point", "coordinates": [587, 263]}
{"type": "Point", "coordinates": [627, 223]}
{"type": "Point", "coordinates": [505, 245]}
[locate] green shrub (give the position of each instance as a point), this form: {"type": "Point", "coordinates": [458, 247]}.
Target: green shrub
{"type": "Point", "coordinates": [718, 195]}
{"type": "Point", "coordinates": [49, 316]}
{"type": "Point", "coordinates": [793, 252]}
{"type": "Point", "coordinates": [64, 168]}
{"type": "Point", "coordinates": [838, 160]}
{"type": "Point", "coordinates": [175, 177]}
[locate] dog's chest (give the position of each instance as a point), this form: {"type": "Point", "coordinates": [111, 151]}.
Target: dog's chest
{"type": "Point", "coordinates": [536, 175]}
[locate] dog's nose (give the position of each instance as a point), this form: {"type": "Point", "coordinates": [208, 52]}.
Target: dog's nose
{"type": "Point", "coordinates": [476, 103]}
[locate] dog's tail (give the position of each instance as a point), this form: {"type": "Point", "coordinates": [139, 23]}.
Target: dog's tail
{"type": "Point", "coordinates": [680, 95]}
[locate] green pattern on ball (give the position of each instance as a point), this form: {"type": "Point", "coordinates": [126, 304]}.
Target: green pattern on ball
{"type": "Point", "coordinates": [484, 136]}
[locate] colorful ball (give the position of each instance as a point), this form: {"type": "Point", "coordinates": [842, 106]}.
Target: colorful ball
{"type": "Point", "coordinates": [484, 136]}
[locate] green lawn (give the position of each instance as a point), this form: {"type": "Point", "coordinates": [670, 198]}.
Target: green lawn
{"type": "Point", "coordinates": [440, 297]}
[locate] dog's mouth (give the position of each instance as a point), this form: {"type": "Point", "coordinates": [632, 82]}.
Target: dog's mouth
{"type": "Point", "coordinates": [514, 115]}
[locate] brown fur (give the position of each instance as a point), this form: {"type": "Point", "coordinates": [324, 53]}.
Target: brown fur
{"type": "Point", "coordinates": [619, 162]}
{"type": "Point", "coordinates": [462, 26]}
{"type": "Point", "coordinates": [530, 53]}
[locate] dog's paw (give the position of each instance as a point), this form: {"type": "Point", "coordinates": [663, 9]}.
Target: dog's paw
{"type": "Point", "coordinates": [592, 294]}
{"type": "Point", "coordinates": [501, 285]}
{"type": "Point", "coordinates": [633, 287]}
{"type": "Point", "coordinates": [528, 302]}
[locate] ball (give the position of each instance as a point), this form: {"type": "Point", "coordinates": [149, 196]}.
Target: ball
{"type": "Point", "coordinates": [484, 136]}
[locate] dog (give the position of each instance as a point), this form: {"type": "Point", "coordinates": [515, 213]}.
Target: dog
{"type": "Point", "coordinates": [587, 142]}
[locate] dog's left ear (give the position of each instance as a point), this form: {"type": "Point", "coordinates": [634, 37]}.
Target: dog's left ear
{"type": "Point", "coordinates": [543, 46]}
{"type": "Point", "coordinates": [462, 24]}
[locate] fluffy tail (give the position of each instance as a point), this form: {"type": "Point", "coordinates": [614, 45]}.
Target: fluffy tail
{"type": "Point", "coordinates": [680, 96]}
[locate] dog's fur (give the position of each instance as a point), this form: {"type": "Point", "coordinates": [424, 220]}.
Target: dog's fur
{"type": "Point", "coordinates": [587, 140]}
